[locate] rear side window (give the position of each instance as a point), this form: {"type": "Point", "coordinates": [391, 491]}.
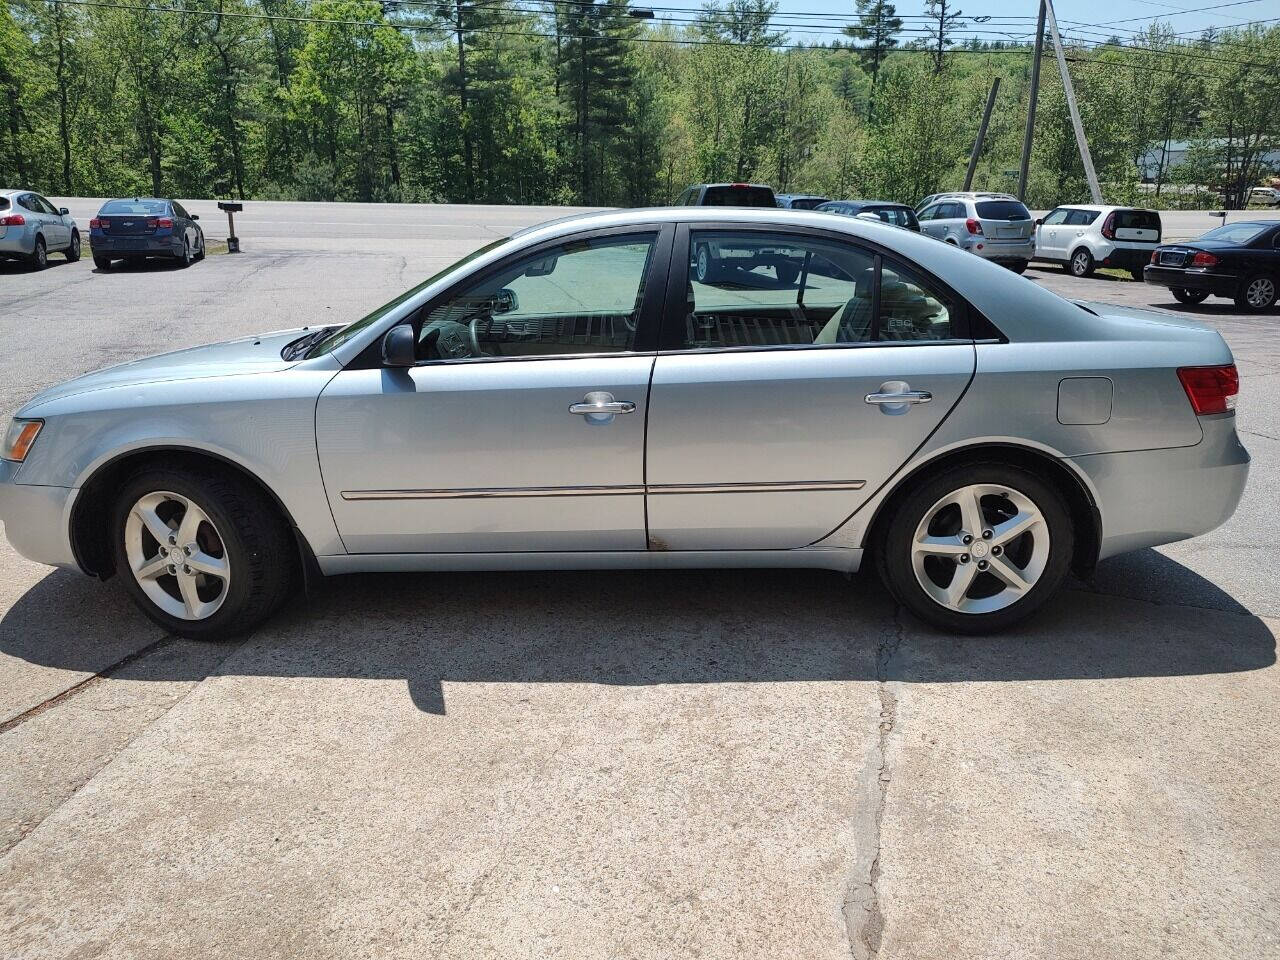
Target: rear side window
{"type": "Point", "coordinates": [806, 203]}
{"type": "Point", "coordinates": [1081, 218]}
{"type": "Point", "coordinates": [739, 197]}
{"type": "Point", "coordinates": [898, 216]}
{"type": "Point", "coordinates": [1137, 220]}
{"type": "Point", "coordinates": [4, 203]}
{"type": "Point", "coordinates": [789, 290]}
{"type": "Point", "coordinates": [1001, 210]}
{"type": "Point", "coordinates": [138, 208]}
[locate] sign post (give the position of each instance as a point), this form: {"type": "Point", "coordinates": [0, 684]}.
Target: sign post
{"type": "Point", "coordinates": [232, 208]}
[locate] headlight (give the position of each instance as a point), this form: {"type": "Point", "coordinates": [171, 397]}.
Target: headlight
{"type": "Point", "coordinates": [17, 442]}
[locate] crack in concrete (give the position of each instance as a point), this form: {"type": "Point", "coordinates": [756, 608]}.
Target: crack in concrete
{"type": "Point", "coordinates": [863, 914]}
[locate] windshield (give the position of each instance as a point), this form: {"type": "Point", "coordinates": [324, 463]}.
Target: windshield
{"type": "Point", "coordinates": [1241, 233]}
{"type": "Point", "coordinates": [343, 334]}
{"type": "Point", "coordinates": [138, 208]}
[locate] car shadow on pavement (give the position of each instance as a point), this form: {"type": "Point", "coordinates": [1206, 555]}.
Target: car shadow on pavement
{"type": "Point", "coordinates": [633, 628]}
{"type": "Point", "coordinates": [8, 267]}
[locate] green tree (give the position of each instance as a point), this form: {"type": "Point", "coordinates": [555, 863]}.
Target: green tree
{"type": "Point", "coordinates": [878, 25]}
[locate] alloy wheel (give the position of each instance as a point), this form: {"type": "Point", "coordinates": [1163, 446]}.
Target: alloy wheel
{"type": "Point", "coordinates": [1261, 292]}
{"type": "Point", "coordinates": [1080, 263]}
{"type": "Point", "coordinates": [980, 548]}
{"type": "Point", "coordinates": [177, 555]}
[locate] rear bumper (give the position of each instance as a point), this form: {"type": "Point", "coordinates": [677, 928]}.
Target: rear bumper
{"type": "Point", "coordinates": [17, 242]}
{"type": "Point", "coordinates": [1003, 251]}
{"type": "Point", "coordinates": [1150, 497]}
{"type": "Point", "coordinates": [1219, 284]}
{"type": "Point", "coordinates": [1125, 258]}
{"type": "Point", "coordinates": [34, 519]}
{"type": "Point", "coordinates": [135, 246]}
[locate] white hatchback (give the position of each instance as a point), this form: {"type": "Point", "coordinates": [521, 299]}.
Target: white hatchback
{"type": "Point", "coordinates": [1083, 237]}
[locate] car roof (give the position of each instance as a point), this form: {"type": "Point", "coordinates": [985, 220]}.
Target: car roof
{"type": "Point", "coordinates": [874, 203]}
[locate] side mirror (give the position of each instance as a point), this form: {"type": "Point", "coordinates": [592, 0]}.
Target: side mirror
{"type": "Point", "coordinates": [64, 211]}
{"type": "Point", "coordinates": [506, 301]}
{"type": "Point", "coordinates": [399, 347]}
{"type": "Point", "coordinates": [195, 216]}
{"type": "Point", "coordinates": [1039, 221]}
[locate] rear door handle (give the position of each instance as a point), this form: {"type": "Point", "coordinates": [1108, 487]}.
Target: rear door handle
{"type": "Point", "coordinates": [895, 397]}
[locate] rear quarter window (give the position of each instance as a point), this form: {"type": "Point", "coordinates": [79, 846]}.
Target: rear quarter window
{"type": "Point", "coordinates": [739, 197]}
{"type": "Point", "coordinates": [1001, 210]}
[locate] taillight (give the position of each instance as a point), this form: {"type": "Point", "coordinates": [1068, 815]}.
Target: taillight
{"type": "Point", "coordinates": [151, 223]}
{"type": "Point", "coordinates": [1155, 256]}
{"type": "Point", "coordinates": [96, 224]}
{"type": "Point", "coordinates": [165, 222]}
{"type": "Point", "coordinates": [1210, 389]}
{"type": "Point", "coordinates": [13, 220]}
{"type": "Point", "coordinates": [973, 226]}
{"type": "Point", "coordinates": [1109, 226]}
{"type": "Point", "coordinates": [1203, 259]}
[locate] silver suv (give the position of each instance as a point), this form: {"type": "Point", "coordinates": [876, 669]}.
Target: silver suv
{"type": "Point", "coordinates": [995, 226]}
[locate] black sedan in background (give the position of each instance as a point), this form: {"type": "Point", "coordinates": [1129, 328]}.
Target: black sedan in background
{"type": "Point", "coordinates": [1240, 261]}
{"type": "Point", "coordinates": [132, 230]}
{"type": "Point", "coordinates": [897, 214]}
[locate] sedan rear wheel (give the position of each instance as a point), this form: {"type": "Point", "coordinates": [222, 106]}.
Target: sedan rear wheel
{"type": "Point", "coordinates": [204, 555]}
{"type": "Point", "coordinates": [978, 548]}
{"type": "Point", "coordinates": [1189, 296]}
{"type": "Point", "coordinates": [1257, 294]}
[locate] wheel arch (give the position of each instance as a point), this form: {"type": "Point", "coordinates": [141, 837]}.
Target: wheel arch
{"type": "Point", "coordinates": [1085, 515]}
{"type": "Point", "coordinates": [90, 513]}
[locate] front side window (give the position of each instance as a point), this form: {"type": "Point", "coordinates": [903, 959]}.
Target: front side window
{"type": "Point", "coordinates": [928, 213]}
{"type": "Point", "coordinates": [581, 297]}
{"type": "Point", "coordinates": [1056, 217]}
{"type": "Point", "coordinates": [757, 289]}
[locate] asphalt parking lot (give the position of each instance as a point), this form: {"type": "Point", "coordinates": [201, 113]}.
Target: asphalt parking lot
{"type": "Point", "coordinates": [714, 764]}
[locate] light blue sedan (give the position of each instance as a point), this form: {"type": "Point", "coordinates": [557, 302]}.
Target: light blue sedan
{"type": "Point", "coordinates": [574, 397]}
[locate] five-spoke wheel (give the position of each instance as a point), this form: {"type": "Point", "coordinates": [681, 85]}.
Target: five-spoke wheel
{"type": "Point", "coordinates": [977, 547]}
{"type": "Point", "coordinates": [177, 555]}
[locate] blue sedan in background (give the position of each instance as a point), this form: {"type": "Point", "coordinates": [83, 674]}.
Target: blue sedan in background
{"type": "Point", "coordinates": [142, 227]}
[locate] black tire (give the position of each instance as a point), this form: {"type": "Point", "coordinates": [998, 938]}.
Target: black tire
{"type": "Point", "coordinates": [1019, 266]}
{"type": "Point", "coordinates": [200, 253]}
{"type": "Point", "coordinates": [1258, 293]}
{"type": "Point", "coordinates": [1080, 263]}
{"type": "Point", "coordinates": [40, 256]}
{"type": "Point", "coordinates": [894, 550]}
{"type": "Point", "coordinates": [73, 251]}
{"type": "Point", "coordinates": [184, 258]}
{"type": "Point", "coordinates": [101, 262]}
{"type": "Point", "coordinates": [1189, 296]}
{"type": "Point", "coordinates": [1138, 275]}
{"type": "Point", "coordinates": [705, 267]}
{"type": "Point", "coordinates": [258, 546]}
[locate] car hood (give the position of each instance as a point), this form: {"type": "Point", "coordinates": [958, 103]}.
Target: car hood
{"type": "Point", "coordinates": [253, 354]}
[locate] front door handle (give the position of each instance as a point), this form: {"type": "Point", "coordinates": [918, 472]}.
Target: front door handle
{"type": "Point", "coordinates": [907, 396]}
{"type": "Point", "coordinates": [895, 397]}
{"type": "Point", "coordinates": [600, 407]}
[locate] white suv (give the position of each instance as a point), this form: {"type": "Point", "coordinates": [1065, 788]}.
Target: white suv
{"type": "Point", "coordinates": [1084, 236]}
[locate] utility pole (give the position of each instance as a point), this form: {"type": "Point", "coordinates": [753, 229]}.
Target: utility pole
{"type": "Point", "coordinates": [1081, 142]}
{"type": "Point", "coordinates": [982, 134]}
{"type": "Point", "coordinates": [1031, 106]}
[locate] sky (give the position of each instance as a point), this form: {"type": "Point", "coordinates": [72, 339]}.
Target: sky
{"type": "Point", "coordinates": [1086, 19]}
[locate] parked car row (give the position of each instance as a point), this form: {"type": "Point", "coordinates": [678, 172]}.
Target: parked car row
{"type": "Point", "coordinates": [132, 230]}
{"type": "Point", "coordinates": [1240, 262]}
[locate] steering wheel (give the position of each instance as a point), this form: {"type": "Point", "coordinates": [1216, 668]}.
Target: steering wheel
{"type": "Point", "coordinates": [451, 340]}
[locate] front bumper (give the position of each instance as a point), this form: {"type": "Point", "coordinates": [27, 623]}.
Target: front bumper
{"type": "Point", "coordinates": [1150, 497]}
{"type": "Point", "coordinates": [35, 518]}
{"type": "Point", "coordinates": [138, 246]}
{"type": "Point", "coordinates": [1218, 284]}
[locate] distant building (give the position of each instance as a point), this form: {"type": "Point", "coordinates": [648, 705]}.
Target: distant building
{"type": "Point", "coordinates": [1150, 162]}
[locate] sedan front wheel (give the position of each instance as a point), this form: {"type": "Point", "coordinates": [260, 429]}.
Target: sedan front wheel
{"type": "Point", "coordinates": [977, 548]}
{"type": "Point", "coordinates": [205, 555]}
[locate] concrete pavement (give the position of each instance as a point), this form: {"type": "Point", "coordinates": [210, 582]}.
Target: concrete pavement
{"type": "Point", "coordinates": [730, 764]}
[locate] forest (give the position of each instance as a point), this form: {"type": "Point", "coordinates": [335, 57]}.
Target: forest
{"type": "Point", "coordinates": [602, 103]}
